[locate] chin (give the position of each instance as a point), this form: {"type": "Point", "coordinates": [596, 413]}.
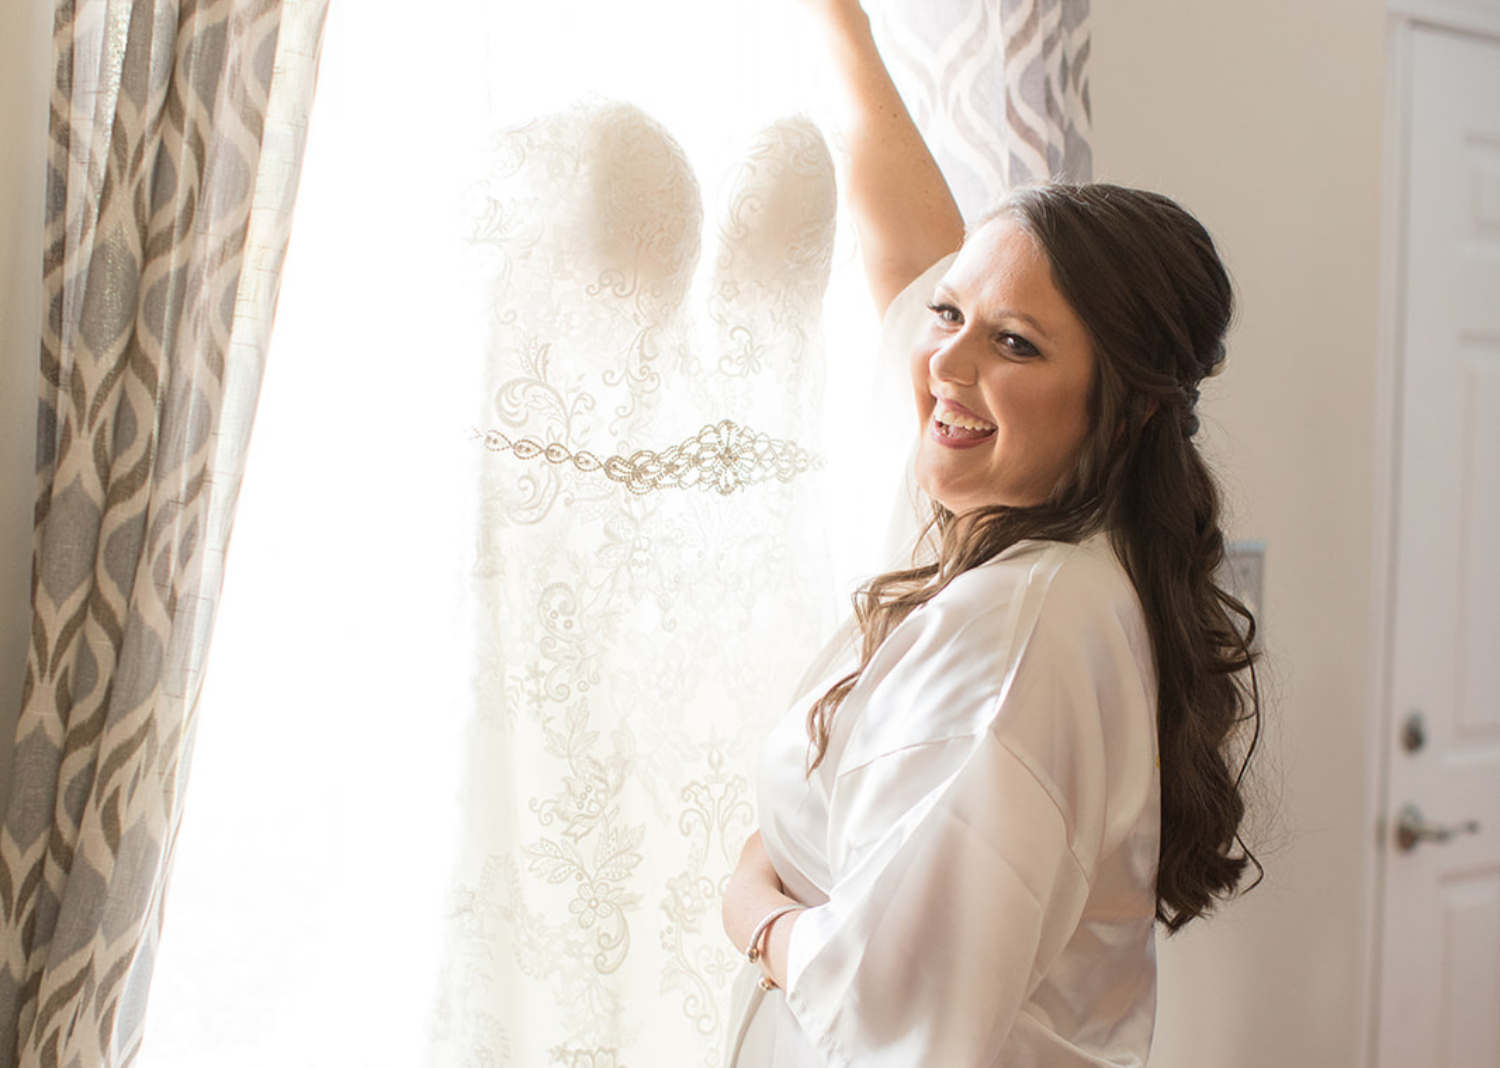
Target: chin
{"type": "Point", "coordinates": [956, 503]}
{"type": "Point", "coordinates": [961, 504]}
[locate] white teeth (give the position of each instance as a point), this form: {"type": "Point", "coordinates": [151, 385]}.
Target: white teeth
{"type": "Point", "coordinates": [948, 417]}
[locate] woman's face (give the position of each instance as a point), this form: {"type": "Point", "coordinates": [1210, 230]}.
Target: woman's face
{"type": "Point", "coordinates": [1002, 374]}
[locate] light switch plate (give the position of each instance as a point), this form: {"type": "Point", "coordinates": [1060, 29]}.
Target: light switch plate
{"type": "Point", "coordinates": [1244, 575]}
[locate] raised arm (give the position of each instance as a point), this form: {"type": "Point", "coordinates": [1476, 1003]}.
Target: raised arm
{"type": "Point", "coordinates": [902, 207]}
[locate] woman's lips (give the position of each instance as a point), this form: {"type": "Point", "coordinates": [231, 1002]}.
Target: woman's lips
{"type": "Point", "coordinates": [955, 426]}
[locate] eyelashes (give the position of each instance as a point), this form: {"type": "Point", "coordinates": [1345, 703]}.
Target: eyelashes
{"type": "Point", "coordinates": [1008, 342]}
{"type": "Point", "coordinates": [946, 312]}
{"type": "Point", "coordinates": [1016, 345]}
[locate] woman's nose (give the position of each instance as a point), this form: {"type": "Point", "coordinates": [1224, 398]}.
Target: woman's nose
{"type": "Point", "coordinates": [952, 361]}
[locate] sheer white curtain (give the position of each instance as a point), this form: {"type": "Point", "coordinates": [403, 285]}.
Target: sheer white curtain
{"type": "Point", "coordinates": [302, 924]}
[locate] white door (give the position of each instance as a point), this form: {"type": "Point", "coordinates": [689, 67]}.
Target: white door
{"type": "Point", "coordinates": [1439, 1002]}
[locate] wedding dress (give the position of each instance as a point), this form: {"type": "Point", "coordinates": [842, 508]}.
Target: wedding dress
{"type": "Point", "coordinates": [650, 576]}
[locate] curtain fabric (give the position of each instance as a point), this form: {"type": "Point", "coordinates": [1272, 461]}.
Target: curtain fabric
{"type": "Point", "coordinates": [999, 88]}
{"type": "Point", "coordinates": [176, 138]}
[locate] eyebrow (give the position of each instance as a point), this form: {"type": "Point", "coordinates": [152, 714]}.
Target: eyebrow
{"type": "Point", "coordinates": [944, 292]}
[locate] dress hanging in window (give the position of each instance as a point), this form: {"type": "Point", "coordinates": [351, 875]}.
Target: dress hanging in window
{"type": "Point", "coordinates": [651, 578]}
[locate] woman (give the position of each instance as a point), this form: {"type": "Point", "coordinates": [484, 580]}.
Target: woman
{"type": "Point", "coordinates": [973, 821]}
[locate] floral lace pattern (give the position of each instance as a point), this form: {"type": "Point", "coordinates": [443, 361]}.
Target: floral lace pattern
{"type": "Point", "coordinates": [632, 646]}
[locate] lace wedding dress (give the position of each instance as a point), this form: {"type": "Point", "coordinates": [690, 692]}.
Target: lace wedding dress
{"type": "Point", "coordinates": [651, 578]}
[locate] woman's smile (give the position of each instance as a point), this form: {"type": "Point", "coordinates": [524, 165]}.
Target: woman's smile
{"type": "Point", "coordinates": [956, 427]}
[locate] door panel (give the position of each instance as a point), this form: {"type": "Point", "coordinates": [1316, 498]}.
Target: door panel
{"type": "Point", "coordinates": [1479, 678]}
{"type": "Point", "coordinates": [1440, 944]}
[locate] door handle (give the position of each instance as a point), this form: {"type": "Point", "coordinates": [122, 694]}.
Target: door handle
{"type": "Point", "coordinates": [1411, 828]}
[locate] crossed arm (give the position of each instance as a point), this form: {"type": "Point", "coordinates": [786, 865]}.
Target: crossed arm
{"type": "Point", "coordinates": [754, 892]}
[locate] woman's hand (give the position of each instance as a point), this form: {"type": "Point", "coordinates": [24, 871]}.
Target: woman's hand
{"type": "Point", "coordinates": [905, 214]}
{"type": "Point", "coordinates": [753, 892]}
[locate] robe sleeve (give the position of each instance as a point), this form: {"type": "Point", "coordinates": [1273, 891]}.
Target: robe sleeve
{"type": "Point", "coordinates": [961, 859]}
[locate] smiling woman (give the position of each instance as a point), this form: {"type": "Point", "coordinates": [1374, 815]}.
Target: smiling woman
{"type": "Point", "coordinates": [1002, 376]}
{"type": "Point", "coordinates": [1027, 754]}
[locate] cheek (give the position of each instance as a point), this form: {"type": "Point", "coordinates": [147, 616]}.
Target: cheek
{"type": "Point", "coordinates": [1074, 423]}
{"type": "Point", "coordinates": [1058, 416]}
{"type": "Point", "coordinates": [1069, 418]}
{"type": "Point", "coordinates": [1074, 411]}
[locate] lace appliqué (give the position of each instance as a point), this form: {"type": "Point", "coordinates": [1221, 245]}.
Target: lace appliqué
{"type": "Point", "coordinates": [724, 457]}
{"type": "Point", "coordinates": [631, 643]}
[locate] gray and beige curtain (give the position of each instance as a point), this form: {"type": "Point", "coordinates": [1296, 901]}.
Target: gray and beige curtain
{"type": "Point", "coordinates": [176, 136]}
{"type": "Point", "coordinates": [1000, 89]}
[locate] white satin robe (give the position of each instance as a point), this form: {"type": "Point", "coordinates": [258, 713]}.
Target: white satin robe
{"type": "Point", "coordinates": [978, 848]}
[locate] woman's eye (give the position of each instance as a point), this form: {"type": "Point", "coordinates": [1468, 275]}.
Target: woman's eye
{"type": "Point", "coordinates": [947, 313]}
{"type": "Point", "coordinates": [1016, 345]}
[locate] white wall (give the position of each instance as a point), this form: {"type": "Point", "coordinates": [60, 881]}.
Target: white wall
{"type": "Point", "coordinates": [1265, 119]}
{"type": "Point", "coordinates": [25, 53]}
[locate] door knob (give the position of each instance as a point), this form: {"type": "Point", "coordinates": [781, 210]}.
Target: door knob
{"type": "Point", "coordinates": [1413, 732]}
{"type": "Point", "coordinates": [1411, 828]}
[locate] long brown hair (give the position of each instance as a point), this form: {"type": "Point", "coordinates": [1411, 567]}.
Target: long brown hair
{"type": "Point", "coordinates": [1146, 281]}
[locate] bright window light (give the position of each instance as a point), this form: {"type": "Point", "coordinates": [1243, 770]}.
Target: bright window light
{"type": "Point", "coordinates": [303, 923]}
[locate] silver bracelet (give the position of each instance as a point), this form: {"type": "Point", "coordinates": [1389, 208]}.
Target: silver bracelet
{"type": "Point", "coordinates": [754, 952]}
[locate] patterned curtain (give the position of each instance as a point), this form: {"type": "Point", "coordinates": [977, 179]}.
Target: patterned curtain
{"type": "Point", "coordinates": [176, 139]}
{"type": "Point", "coordinates": [999, 88]}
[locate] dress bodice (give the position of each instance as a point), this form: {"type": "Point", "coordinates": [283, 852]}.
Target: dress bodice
{"type": "Point", "coordinates": [596, 218]}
